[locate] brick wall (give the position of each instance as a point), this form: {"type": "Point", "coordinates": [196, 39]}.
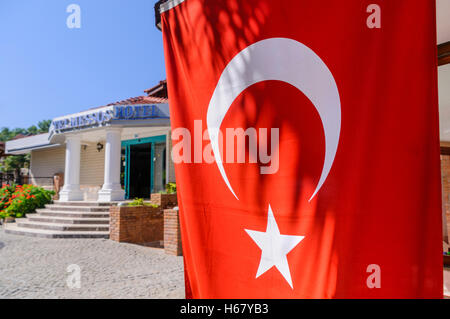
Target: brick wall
{"type": "Point", "coordinates": [139, 225]}
{"type": "Point", "coordinates": [164, 200]}
{"type": "Point", "coordinates": [172, 233]}
{"type": "Point", "coordinates": [445, 172]}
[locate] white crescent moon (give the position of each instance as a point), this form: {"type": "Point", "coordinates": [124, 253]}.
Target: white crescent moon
{"type": "Point", "coordinates": [286, 60]}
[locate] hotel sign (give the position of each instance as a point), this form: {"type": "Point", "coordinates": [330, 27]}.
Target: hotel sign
{"type": "Point", "coordinates": [137, 112]}
{"type": "Point", "coordinates": [108, 116]}
{"type": "Point", "coordinates": [98, 118]}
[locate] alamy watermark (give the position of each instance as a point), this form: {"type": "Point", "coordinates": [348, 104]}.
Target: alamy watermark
{"type": "Point", "coordinates": [74, 278]}
{"type": "Point", "coordinates": [374, 279]}
{"type": "Point", "coordinates": [374, 19]}
{"type": "Point", "coordinates": [235, 146]}
{"type": "Point", "coordinates": [74, 19]}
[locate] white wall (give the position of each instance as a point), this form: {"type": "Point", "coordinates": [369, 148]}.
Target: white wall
{"type": "Point", "coordinates": [92, 171]}
{"type": "Point", "coordinates": [46, 163]}
{"type": "Point", "coordinates": [92, 165]}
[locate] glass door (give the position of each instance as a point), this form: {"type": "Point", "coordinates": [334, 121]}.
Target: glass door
{"type": "Point", "coordinates": [143, 166]}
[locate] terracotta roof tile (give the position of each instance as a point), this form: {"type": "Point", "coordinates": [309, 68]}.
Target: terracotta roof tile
{"type": "Point", "coordinates": [141, 100]}
{"type": "Point", "coordinates": [19, 136]}
{"type": "Point", "coordinates": [155, 95]}
{"type": "Point", "coordinates": [158, 90]}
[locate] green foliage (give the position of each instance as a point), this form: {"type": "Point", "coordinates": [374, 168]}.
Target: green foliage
{"type": "Point", "coordinates": [33, 130]}
{"type": "Point", "coordinates": [12, 163]}
{"type": "Point", "coordinates": [171, 188]}
{"type": "Point", "coordinates": [138, 202]}
{"type": "Point", "coordinates": [17, 201]}
{"type": "Point", "coordinates": [15, 163]}
{"type": "Point", "coordinates": [44, 126]}
{"type": "Point", "coordinates": [5, 196]}
{"type": "Point", "coordinates": [6, 134]}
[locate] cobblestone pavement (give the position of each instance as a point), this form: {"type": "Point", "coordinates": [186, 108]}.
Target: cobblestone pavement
{"type": "Point", "coordinates": [37, 268]}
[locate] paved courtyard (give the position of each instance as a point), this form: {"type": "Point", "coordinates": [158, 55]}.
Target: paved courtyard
{"type": "Point", "coordinates": [37, 268]}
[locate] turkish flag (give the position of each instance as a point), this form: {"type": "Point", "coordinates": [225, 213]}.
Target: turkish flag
{"type": "Point", "coordinates": [334, 190]}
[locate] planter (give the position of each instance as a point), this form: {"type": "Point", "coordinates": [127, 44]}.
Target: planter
{"type": "Point", "coordinates": [138, 225]}
{"type": "Point", "coordinates": [172, 233]}
{"type": "Point", "coordinates": [164, 200]}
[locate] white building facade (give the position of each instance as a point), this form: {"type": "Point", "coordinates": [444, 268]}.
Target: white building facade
{"type": "Point", "coordinates": [107, 154]}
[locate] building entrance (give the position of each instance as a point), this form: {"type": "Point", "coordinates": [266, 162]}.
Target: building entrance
{"type": "Point", "coordinates": [143, 166]}
{"type": "Point", "coordinates": [140, 170]}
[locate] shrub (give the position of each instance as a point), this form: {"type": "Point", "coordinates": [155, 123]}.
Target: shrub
{"type": "Point", "coordinates": [140, 202]}
{"type": "Point", "coordinates": [17, 201]}
{"type": "Point", "coordinates": [5, 195]}
{"type": "Point", "coordinates": [171, 188]}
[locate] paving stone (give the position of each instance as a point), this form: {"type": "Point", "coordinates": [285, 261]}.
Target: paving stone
{"type": "Point", "coordinates": [37, 268]}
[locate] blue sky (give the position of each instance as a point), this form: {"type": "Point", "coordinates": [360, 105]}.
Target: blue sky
{"type": "Point", "coordinates": [48, 70]}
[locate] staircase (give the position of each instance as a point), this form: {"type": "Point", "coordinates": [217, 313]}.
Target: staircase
{"type": "Point", "coordinates": [65, 220]}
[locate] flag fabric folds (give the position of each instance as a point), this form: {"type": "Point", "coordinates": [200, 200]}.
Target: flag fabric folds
{"type": "Point", "coordinates": [306, 147]}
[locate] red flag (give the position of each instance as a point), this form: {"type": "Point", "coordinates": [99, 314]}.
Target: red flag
{"type": "Point", "coordinates": [306, 146]}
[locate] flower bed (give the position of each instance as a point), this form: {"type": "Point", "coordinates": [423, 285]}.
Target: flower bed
{"type": "Point", "coordinates": [17, 201]}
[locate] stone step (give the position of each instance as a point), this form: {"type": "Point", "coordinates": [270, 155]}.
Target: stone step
{"type": "Point", "coordinates": [85, 203]}
{"type": "Point", "coordinates": [66, 220]}
{"type": "Point", "coordinates": [56, 213]}
{"type": "Point", "coordinates": [77, 208]}
{"type": "Point", "coordinates": [13, 228]}
{"type": "Point", "coordinates": [61, 227]}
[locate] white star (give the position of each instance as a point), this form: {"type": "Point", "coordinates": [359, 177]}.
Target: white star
{"type": "Point", "coordinates": [274, 248]}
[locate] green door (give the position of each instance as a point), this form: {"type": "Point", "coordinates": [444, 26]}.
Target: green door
{"type": "Point", "coordinates": [139, 166]}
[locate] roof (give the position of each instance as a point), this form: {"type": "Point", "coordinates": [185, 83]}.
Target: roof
{"type": "Point", "coordinates": [141, 100]}
{"type": "Point", "coordinates": [23, 145]}
{"type": "Point", "coordinates": [155, 95]}
{"type": "Point", "coordinates": [19, 136]}
{"type": "Point", "coordinates": [159, 90]}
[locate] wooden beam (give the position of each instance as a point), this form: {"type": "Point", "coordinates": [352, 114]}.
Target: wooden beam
{"type": "Point", "coordinates": [444, 53]}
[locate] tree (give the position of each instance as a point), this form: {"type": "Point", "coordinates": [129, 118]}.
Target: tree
{"type": "Point", "coordinates": [6, 134]}
{"type": "Point", "coordinates": [15, 163]}
{"type": "Point", "coordinates": [44, 126]}
{"type": "Point", "coordinates": [33, 130]}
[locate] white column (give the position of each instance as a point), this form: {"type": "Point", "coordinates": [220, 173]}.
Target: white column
{"type": "Point", "coordinates": [71, 190]}
{"type": "Point", "coordinates": [112, 190]}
